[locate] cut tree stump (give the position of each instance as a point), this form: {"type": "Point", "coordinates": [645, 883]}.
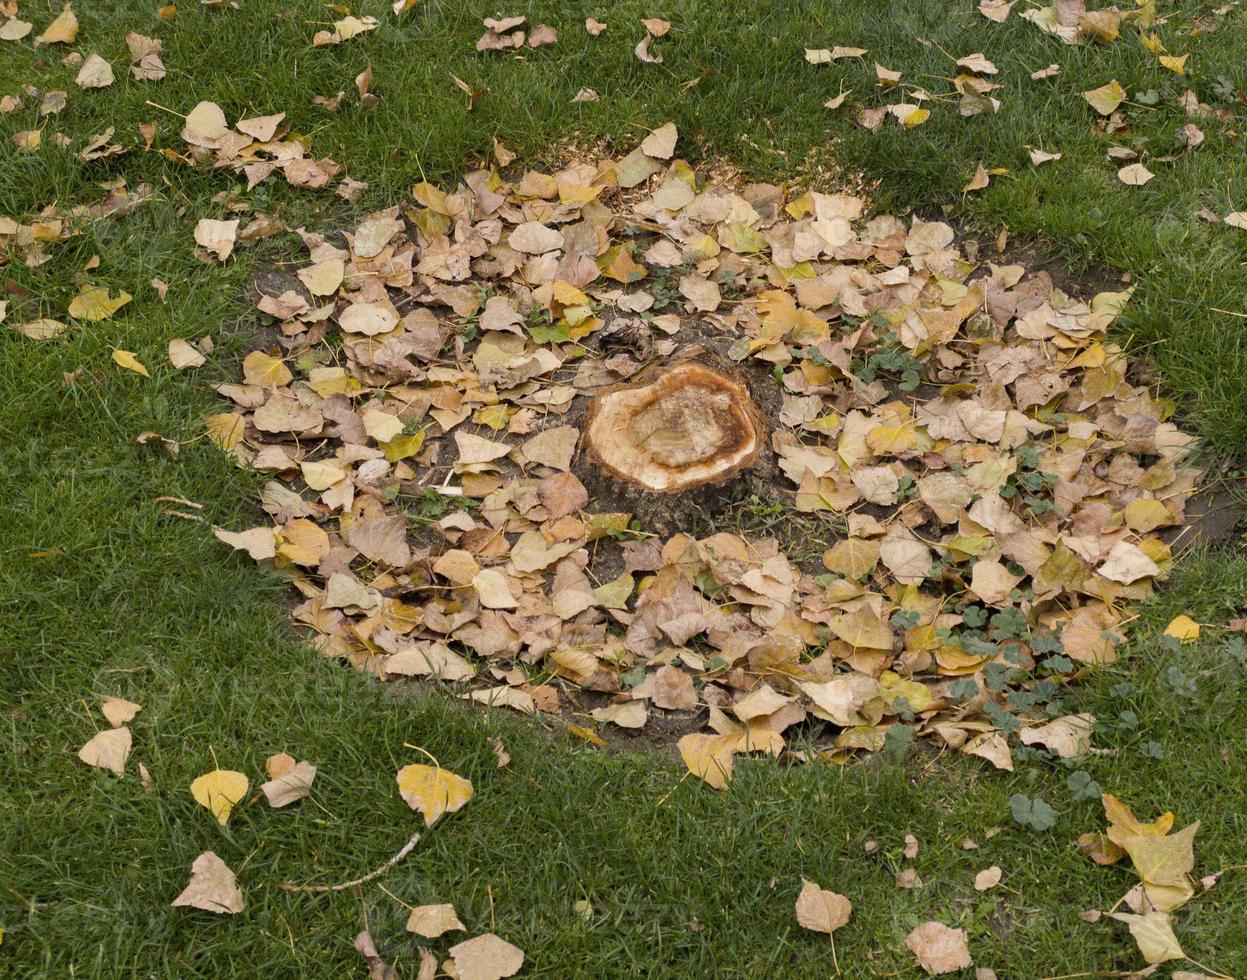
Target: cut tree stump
{"type": "Point", "coordinates": [686, 425]}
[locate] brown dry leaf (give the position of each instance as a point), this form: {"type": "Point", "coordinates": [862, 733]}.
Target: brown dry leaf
{"type": "Point", "coordinates": [432, 791]}
{"type": "Point", "coordinates": [432, 921]}
{"type": "Point", "coordinates": [1134, 175]}
{"type": "Point", "coordinates": [486, 957]}
{"type": "Point", "coordinates": [183, 354]}
{"type": "Point", "coordinates": [996, 10]}
{"type": "Point", "coordinates": [290, 785]}
{"type": "Point", "coordinates": [987, 879]}
{"type": "Point", "coordinates": [939, 948]}
{"type": "Point", "coordinates": [216, 236]}
{"type": "Point", "coordinates": [205, 125]}
{"type": "Point", "coordinates": [661, 142]}
{"type": "Point", "coordinates": [594, 27]}
{"type": "Point", "coordinates": [821, 910]}
{"type": "Point", "coordinates": [1069, 736]}
{"type": "Point", "coordinates": [145, 63]}
{"type": "Point", "coordinates": [118, 711]}
{"type": "Point", "coordinates": [542, 35]}
{"type": "Point", "coordinates": [630, 714]}
{"type": "Point", "coordinates": [212, 887]}
{"type": "Point", "coordinates": [14, 29]}
{"type": "Point", "coordinates": [109, 749]}
{"type": "Point", "coordinates": [42, 329]}
{"type": "Point", "coordinates": [220, 791]}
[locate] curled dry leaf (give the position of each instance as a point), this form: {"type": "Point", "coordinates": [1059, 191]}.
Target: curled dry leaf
{"type": "Point", "coordinates": [212, 887]}
{"type": "Point", "coordinates": [290, 785]}
{"type": "Point", "coordinates": [216, 236]}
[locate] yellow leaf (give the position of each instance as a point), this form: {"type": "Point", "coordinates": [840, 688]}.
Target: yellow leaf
{"type": "Point", "coordinates": [42, 329]}
{"type": "Point", "coordinates": [127, 360]}
{"type": "Point", "coordinates": [1154, 934]}
{"type": "Point", "coordinates": [1174, 63]}
{"type": "Point", "coordinates": [709, 757]}
{"type": "Point", "coordinates": [1106, 98]}
{"type": "Point", "coordinates": [1183, 628]}
{"type": "Point", "coordinates": [403, 446]}
{"type": "Point", "coordinates": [94, 303]}
{"type": "Point", "coordinates": [220, 791]}
{"type": "Point", "coordinates": [432, 790]}
{"type": "Point", "coordinates": [63, 30]}
{"type": "Point", "coordinates": [260, 369]}
{"type": "Point", "coordinates": [587, 735]}
{"type": "Point", "coordinates": [225, 429]}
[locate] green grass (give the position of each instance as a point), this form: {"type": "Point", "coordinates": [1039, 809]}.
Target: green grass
{"type": "Point", "coordinates": [682, 881]}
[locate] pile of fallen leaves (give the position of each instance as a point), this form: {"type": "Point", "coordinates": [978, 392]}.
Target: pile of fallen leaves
{"type": "Point", "coordinates": [1004, 487]}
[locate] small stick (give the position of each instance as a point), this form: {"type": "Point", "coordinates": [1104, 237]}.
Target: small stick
{"type": "Point", "coordinates": [320, 889]}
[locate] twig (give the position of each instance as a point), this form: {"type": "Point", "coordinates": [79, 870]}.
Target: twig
{"type": "Point", "coordinates": [320, 889]}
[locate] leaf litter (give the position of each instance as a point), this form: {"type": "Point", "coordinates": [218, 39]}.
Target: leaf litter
{"type": "Point", "coordinates": [971, 428]}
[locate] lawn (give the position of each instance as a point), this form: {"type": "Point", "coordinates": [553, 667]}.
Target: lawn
{"type": "Point", "coordinates": [103, 592]}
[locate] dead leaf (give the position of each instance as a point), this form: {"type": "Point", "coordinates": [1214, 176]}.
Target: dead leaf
{"type": "Point", "coordinates": [220, 791]}
{"type": "Point", "coordinates": [939, 948]}
{"type": "Point", "coordinates": [432, 921]}
{"type": "Point", "coordinates": [1154, 934]}
{"type": "Point", "coordinates": [821, 910]}
{"type": "Point", "coordinates": [109, 749]}
{"type": "Point", "coordinates": [126, 359]}
{"type": "Point", "coordinates": [62, 30]}
{"type": "Point", "coordinates": [291, 785]}
{"type": "Point", "coordinates": [212, 887]}
{"type": "Point", "coordinates": [1106, 98]}
{"type": "Point", "coordinates": [486, 957]}
{"type": "Point", "coordinates": [709, 757]}
{"type": "Point", "coordinates": [118, 711]}
{"type": "Point", "coordinates": [95, 73]}
{"type": "Point", "coordinates": [216, 236]}
{"type": "Point", "coordinates": [987, 879]}
{"type": "Point", "coordinates": [432, 791]}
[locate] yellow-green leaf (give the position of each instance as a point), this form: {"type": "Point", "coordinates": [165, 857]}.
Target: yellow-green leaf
{"type": "Point", "coordinates": [1106, 98]}
{"type": "Point", "coordinates": [95, 303]}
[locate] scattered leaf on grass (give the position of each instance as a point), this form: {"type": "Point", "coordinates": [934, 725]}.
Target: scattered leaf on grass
{"type": "Point", "coordinates": [432, 791]}
{"type": "Point", "coordinates": [432, 921]}
{"type": "Point", "coordinates": [1106, 98]}
{"type": "Point", "coordinates": [293, 784]}
{"type": "Point", "coordinates": [987, 879]}
{"type": "Point", "coordinates": [95, 73]}
{"type": "Point", "coordinates": [939, 948]}
{"type": "Point", "coordinates": [1134, 174]}
{"type": "Point", "coordinates": [94, 303]}
{"type": "Point", "coordinates": [183, 354]}
{"type": "Point", "coordinates": [212, 887]}
{"type": "Point", "coordinates": [1154, 934]}
{"type": "Point", "coordinates": [1183, 628]}
{"type": "Point", "coordinates": [126, 359]}
{"type": "Point", "coordinates": [42, 329]}
{"type": "Point", "coordinates": [216, 236]}
{"type": "Point", "coordinates": [109, 749]}
{"type": "Point", "coordinates": [486, 957]}
{"type": "Point", "coordinates": [62, 30]}
{"type": "Point", "coordinates": [118, 711]}
{"type": "Point", "coordinates": [220, 791]}
{"type": "Point", "coordinates": [820, 909]}
{"type": "Point", "coordinates": [709, 757]}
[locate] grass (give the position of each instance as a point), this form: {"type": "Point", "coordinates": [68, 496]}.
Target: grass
{"type": "Point", "coordinates": [128, 601]}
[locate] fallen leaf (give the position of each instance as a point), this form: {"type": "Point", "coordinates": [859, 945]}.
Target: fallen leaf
{"type": "Point", "coordinates": [1183, 628]}
{"type": "Point", "coordinates": [821, 910]}
{"type": "Point", "coordinates": [1106, 98]}
{"type": "Point", "coordinates": [183, 354]}
{"type": "Point", "coordinates": [62, 30]}
{"type": "Point", "coordinates": [94, 303]}
{"type": "Point", "coordinates": [220, 791]}
{"type": "Point", "coordinates": [1134, 174]}
{"type": "Point", "coordinates": [432, 791]}
{"type": "Point", "coordinates": [289, 786]}
{"type": "Point", "coordinates": [109, 749]}
{"type": "Point", "coordinates": [216, 236]}
{"type": "Point", "coordinates": [118, 711]}
{"type": "Point", "coordinates": [1154, 934]}
{"type": "Point", "coordinates": [661, 142]}
{"type": "Point", "coordinates": [126, 359]}
{"type": "Point", "coordinates": [709, 757]}
{"type": "Point", "coordinates": [939, 948]}
{"type": "Point", "coordinates": [987, 879]}
{"type": "Point", "coordinates": [486, 957]}
{"type": "Point", "coordinates": [95, 73]}
{"type": "Point", "coordinates": [212, 887]}
{"type": "Point", "coordinates": [432, 921]}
